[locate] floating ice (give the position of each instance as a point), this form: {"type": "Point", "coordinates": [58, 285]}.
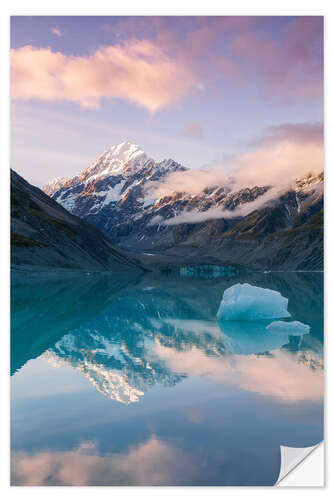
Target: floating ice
{"type": "Point", "coordinates": [244, 302]}
{"type": "Point", "coordinates": [289, 327]}
{"type": "Point", "coordinates": [207, 271]}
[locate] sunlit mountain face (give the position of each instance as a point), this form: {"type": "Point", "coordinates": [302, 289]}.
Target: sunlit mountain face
{"type": "Point", "coordinates": [124, 194]}
{"type": "Point", "coordinates": [126, 369]}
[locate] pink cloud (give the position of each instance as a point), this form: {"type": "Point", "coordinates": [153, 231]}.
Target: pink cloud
{"type": "Point", "coordinates": [193, 130]}
{"type": "Point", "coordinates": [281, 156]}
{"type": "Point", "coordinates": [151, 463]}
{"type": "Point", "coordinates": [138, 71]}
{"type": "Point", "coordinates": [298, 133]}
{"type": "Point", "coordinates": [56, 32]}
{"type": "Point", "coordinates": [291, 68]}
{"type": "Point", "coordinates": [277, 375]}
{"type": "Point", "coordinates": [242, 50]}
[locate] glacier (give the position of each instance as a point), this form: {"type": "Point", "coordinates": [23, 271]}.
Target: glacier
{"type": "Point", "coordinates": [289, 327]}
{"type": "Point", "coordinates": [245, 302]}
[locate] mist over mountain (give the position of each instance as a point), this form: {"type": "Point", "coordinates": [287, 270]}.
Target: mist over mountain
{"type": "Point", "coordinates": [129, 197]}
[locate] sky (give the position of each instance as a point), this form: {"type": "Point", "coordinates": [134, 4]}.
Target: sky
{"type": "Point", "coordinates": [205, 91]}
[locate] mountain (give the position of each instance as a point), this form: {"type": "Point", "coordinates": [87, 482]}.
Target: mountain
{"type": "Point", "coordinates": [115, 194]}
{"type": "Point", "coordinates": [111, 192]}
{"type": "Point", "coordinates": [45, 236]}
{"type": "Point", "coordinates": [287, 234]}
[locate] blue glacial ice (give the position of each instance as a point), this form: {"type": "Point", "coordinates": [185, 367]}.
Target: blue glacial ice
{"type": "Point", "coordinates": [289, 327]}
{"type": "Point", "coordinates": [244, 302]}
{"type": "Point", "coordinates": [207, 271]}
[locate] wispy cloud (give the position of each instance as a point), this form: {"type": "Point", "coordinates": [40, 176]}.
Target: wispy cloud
{"type": "Point", "coordinates": [299, 133]}
{"type": "Point", "coordinates": [56, 31]}
{"type": "Point", "coordinates": [195, 216]}
{"type": "Point", "coordinates": [291, 68]}
{"type": "Point", "coordinates": [240, 50]}
{"type": "Point", "coordinates": [193, 130]}
{"type": "Point", "coordinates": [277, 375]}
{"type": "Point", "coordinates": [150, 463]}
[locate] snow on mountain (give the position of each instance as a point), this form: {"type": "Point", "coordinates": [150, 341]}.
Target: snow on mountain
{"type": "Point", "coordinates": [55, 184]}
{"type": "Point", "coordinates": [116, 182]}
{"type": "Point", "coordinates": [44, 235]}
{"type": "Point", "coordinates": [124, 157]}
{"type": "Point", "coordinates": [309, 182]}
{"type": "Point", "coordinates": [115, 195]}
{"type": "Point", "coordinates": [115, 192]}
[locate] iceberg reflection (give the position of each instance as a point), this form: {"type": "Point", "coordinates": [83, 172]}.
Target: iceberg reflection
{"type": "Point", "coordinates": [242, 337]}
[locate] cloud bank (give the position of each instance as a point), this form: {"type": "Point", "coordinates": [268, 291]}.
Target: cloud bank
{"type": "Point", "coordinates": [195, 216]}
{"type": "Point", "coordinates": [284, 154]}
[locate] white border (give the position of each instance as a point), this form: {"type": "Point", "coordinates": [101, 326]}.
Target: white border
{"type": "Point", "coordinates": [309, 472]}
{"type": "Point", "coordinates": [141, 7]}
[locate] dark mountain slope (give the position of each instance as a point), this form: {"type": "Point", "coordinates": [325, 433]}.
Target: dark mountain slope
{"type": "Point", "coordinates": [45, 236]}
{"type": "Point", "coordinates": [259, 241]}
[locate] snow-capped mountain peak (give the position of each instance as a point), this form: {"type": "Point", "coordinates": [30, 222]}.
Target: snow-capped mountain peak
{"type": "Point", "coordinates": [116, 194]}
{"type": "Point", "coordinates": [121, 159]}
{"type": "Point", "coordinates": [310, 181]}
{"type": "Point", "coordinates": [115, 161]}
{"type": "Point", "coordinates": [117, 177]}
{"type": "Point", "coordinates": [55, 184]}
{"type": "Point", "coordinates": [116, 157]}
{"type": "Point", "coordinates": [123, 152]}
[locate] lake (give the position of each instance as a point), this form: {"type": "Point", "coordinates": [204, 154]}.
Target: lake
{"type": "Point", "coordinates": [121, 380]}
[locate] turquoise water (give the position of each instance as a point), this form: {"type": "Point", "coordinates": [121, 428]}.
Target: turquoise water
{"type": "Point", "coordinates": [122, 381]}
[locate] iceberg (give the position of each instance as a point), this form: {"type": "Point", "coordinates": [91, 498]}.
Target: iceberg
{"type": "Point", "coordinates": [289, 327]}
{"type": "Point", "coordinates": [244, 302]}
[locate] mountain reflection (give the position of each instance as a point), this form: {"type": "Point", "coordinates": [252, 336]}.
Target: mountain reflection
{"type": "Point", "coordinates": [126, 336]}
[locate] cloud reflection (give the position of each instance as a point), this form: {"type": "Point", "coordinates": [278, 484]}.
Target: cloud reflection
{"type": "Point", "coordinates": [150, 463]}
{"type": "Point", "coordinates": [276, 374]}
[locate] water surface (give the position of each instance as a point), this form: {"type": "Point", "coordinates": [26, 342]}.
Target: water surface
{"type": "Point", "coordinates": [118, 381]}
